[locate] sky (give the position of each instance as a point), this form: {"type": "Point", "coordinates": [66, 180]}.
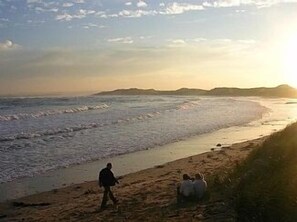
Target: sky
{"type": "Point", "coordinates": [77, 46]}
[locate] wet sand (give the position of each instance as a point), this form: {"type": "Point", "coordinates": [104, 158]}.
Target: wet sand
{"type": "Point", "coordinates": [146, 195]}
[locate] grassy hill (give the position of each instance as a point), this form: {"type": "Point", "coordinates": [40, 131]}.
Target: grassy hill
{"type": "Point", "coordinates": [279, 91]}
{"type": "Point", "coordinates": [264, 186]}
{"type": "Point", "coordinates": [135, 91]}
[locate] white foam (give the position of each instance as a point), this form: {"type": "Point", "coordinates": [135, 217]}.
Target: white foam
{"type": "Point", "coordinates": [50, 112]}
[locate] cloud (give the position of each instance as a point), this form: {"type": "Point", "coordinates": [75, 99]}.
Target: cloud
{"type": "Point", "coordinates": [136, 13]}
{"type": "Point", "coordinates": [4, 19]}
{"type": "Point", "coordinates": [92, 25]}
{"type": "Point", "coordinates": [176, 42]}
{"type": "Point", "coordinates": [162, 8]}
{"type": "Point", "coordinates": [12, 7]}
{"type": "Point", "coordinates": [125, 40]}
{"type": "Point", "coordinates": [40, 6]}
{"type": "Point", "coordinates": [67, 4]}
{"type": "Point", "coordinates": [213, 42]}
{"type": "Point", "coordinates": [179, 8]}
{"type": "Point", "coordinates": [33, 1]}
{"type": "Point", "coordinates": [141, 4]}
{"type": "Point", "coordinates": [225, 47]}
{"type": "Point", "coordinates": [104, 15]}
{"type": "Point", "coordinates": [86, 12]}
{"type": "Point", "coordinates": [237, 3]}
{"type": "Point", "coordinates": [145, 37]}
{"type": "Point", "coordinates": [8, 44]}
{"type": "Point", "coordinates": [141, 7]}
{"type": "Point", "coordinates": [79, 1]}
{"type": "Point", "coordinates": [4, 22]}
{"type": "Point", "coordinates": [169, 9]}
{"type": "Point", "coordinates": [40, 9]}
{"type": "Point", "coordinates": [35, 23]}
{"type": "Point", "coordinates": [64, 17]}
{"type": "Point", "coordinates": [199, 39]}
{"type": "Point", "coordinates": [223, 3]}
{"type": "Point", "coordinates": [82, 13]}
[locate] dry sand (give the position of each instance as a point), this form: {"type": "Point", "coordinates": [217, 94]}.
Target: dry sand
{"type": "Point", "coordinates": [148, 195]}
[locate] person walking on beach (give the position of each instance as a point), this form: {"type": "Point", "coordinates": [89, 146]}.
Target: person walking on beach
{"type": "Point", "coordinates": [200, 186]}
{"type": "Point", "coordinates": [107, 179]}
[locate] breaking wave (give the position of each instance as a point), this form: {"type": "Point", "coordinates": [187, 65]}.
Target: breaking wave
{"type": "Point", "coordinates": [40, 114]}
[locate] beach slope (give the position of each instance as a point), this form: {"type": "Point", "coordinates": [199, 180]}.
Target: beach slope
{"type": "Point", "coordinates": [148, 195]}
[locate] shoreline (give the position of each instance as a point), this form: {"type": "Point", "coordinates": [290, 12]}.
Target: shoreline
{"type": "Point", "coordinates": [133, 162]}
{"type": "Point", "coordinates": [152, 188]}
{"type": "Point", "coordinates": [279, 116]}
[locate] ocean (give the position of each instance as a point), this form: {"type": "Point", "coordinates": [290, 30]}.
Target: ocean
{"type": "Point", "coordinates": [43, 134]}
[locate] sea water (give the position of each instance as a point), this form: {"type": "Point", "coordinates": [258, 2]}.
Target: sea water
{"type": "Point", "coordinates": [42, 134]}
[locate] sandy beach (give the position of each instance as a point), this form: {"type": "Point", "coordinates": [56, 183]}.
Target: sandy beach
{"type": "Point", "coordinates": [165, 94]}
{"type": "Point", "coordinates": [147, 195]}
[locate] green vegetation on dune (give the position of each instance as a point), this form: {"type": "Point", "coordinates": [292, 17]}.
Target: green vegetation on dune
{"type": "Point", "coordinates": [264, 186]}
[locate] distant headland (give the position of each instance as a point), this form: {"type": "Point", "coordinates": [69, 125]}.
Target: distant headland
{"type": "Point", "coordinates": [279, 91]}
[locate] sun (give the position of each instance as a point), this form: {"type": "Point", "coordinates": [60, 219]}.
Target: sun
{"type": "Point", "coordinates": [290, 61]}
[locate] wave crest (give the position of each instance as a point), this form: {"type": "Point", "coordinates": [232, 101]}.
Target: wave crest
{"type": "Point", "coordinates": [40, 114]}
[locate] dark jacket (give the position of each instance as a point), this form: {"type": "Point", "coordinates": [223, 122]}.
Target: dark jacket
{"type": "Point", "coordinates": [106, 178]}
